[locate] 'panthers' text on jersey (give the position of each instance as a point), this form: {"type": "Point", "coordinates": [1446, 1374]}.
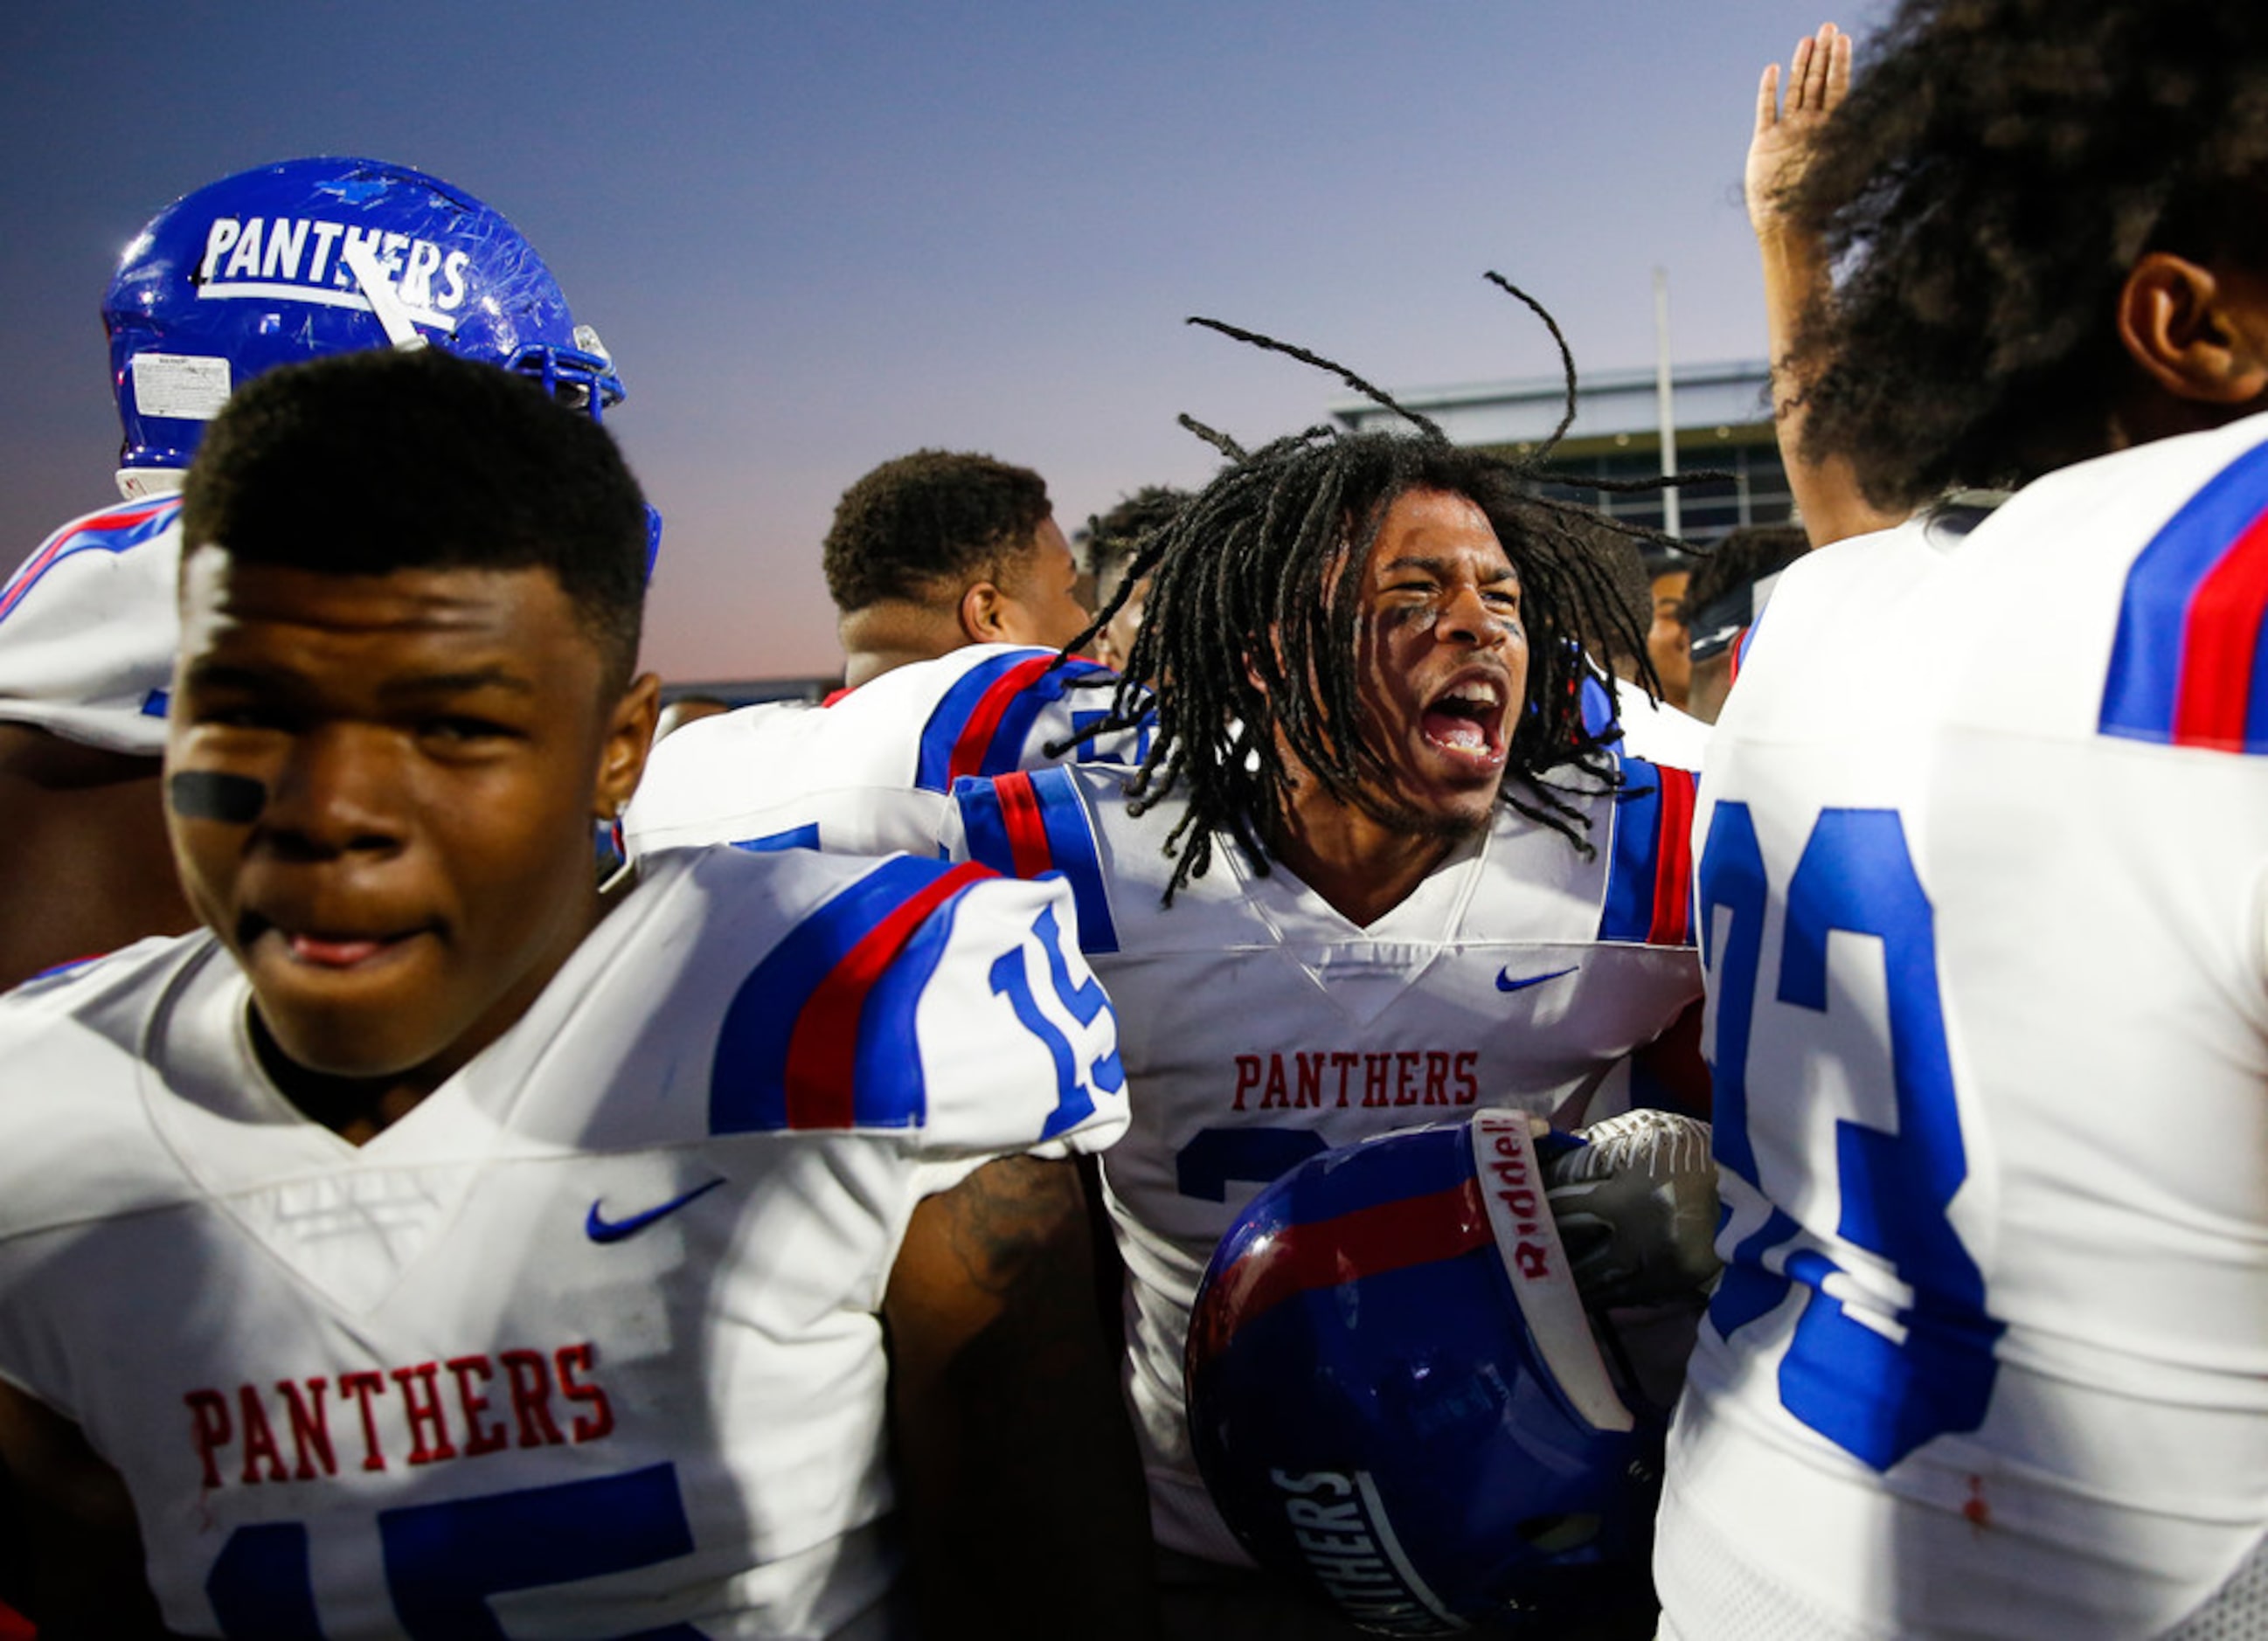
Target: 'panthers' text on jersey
{"type": "Point", "coordinates": [875, 771]}
{"type": "Point", "coordinates": [1260, 1026]}
{"type": "Point", "coordinates": [586, 1343]}
{"type": "Point", "coordinates": [88, 629]}
{"type": "Point", "coordinates": [1983, 892]}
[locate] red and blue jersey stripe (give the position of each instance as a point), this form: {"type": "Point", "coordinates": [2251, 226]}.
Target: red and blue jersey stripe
{"type": "Point", "coordinates": [981, 724]}
{"type": "Point", "coordinates": [2188, 667]}
{"type": "Point", "coordinates": [1027, 824]}
{"type": "Point", "coordinates": [821, 1035]}
{"type": "Point", "coordinates": [113, 531]}
{"type": "Point", "coordinates": [1650, 873]}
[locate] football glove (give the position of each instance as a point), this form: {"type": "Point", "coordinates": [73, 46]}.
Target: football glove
{"type": "Point", "coordinates": [1636, 1201]}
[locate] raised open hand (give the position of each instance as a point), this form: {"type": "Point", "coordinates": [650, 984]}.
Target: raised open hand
{"type": "Point", "coordinates": [1818, 78]}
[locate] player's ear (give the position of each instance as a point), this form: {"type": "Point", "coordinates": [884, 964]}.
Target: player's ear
{"type": "Point", "coordinates": [1253, 674]}
{"type": "Point", "coordinates": [629, 737]}
{"type": "Point", "coordinates": [2189, 330]}
{"type": "Point", "coordinates": [982, 613]}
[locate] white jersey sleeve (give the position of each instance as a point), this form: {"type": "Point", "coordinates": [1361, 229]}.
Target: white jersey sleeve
{"type": "Point", "coordinates": [873, 772]}
{"type": "Point", "coordinates": [1260, 1026]}
{"type": "Point", "coordinates": [1660, 732]}
{"type": "Point", "coordinates": [88, 629]}
{"type": "Point", "coordinates": [1984, 851]}
{"type": "Point", "coordinates": [587, 1341]}
{"type": "Point", "coordinates": [938, 999]}
{"type": "Point", "coordinates": [1651, 730]}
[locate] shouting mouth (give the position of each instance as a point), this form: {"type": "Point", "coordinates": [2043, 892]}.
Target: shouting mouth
{"type": "Point", "coordinates": [1466, 722]}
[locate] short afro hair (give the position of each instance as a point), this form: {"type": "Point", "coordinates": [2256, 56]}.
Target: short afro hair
{"type": "Point", "coordinates": [1993, 177]}
{"type": "Point", "coordinates": [926, 526]}
{"type": "Point", "coordinates": [364, 464]}
{"type": "Point", "coordinates": [1113, 538]}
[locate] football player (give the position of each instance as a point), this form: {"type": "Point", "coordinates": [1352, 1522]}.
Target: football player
{"type": "Point", "coordinates": [285, 263]}
{"type": "Point", "coordinates": [438, 1243]}
{"type": "Point", "coordinates": [1982, 873]}
{"type": "Point", "coordinates": [954, 587]}
{"type": "Point", "coordinates": [1724, 598]}
{"type": "Point", "coordinates": [1375, 871]}
{"type": "Point", "coordinates": [1666, 639]}
{"type": "Point", "coordinates": [939, 549]}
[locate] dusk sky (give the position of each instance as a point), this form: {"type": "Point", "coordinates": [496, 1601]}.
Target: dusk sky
{"type": "Point", "coordinates": [815, 236]}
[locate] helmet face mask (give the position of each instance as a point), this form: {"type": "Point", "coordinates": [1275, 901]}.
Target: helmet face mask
{"type": "Point", "coordinates": [276, 265]}
{"type": "Point", "coordinates": [1397, 1399]}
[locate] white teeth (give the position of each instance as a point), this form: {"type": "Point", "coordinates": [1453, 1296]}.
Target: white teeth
{"type": "Point", "coordinates": [1484, 694]}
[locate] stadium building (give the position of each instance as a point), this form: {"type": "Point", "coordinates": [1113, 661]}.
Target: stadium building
{"type": "Point", "coordinates": [1722, 419]}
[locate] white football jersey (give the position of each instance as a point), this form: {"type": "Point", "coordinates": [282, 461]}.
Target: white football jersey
{"type": "Point", "coordinates": [1652, 730]}
{"type": "Point", "coordinates": [585, 1344]}
{"type": "Point", "coordinates": [88, 629]}
{"type": "Point", "coordinates": [873, 772]}
{"type": "Point", "coordinates": [1660, 732]}
{"type": "Point", "coordinates": [1983, 890]}
{"type": "Point", "coordinates": [1259, 1026]}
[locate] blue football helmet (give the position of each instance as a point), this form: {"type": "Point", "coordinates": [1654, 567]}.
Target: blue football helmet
{"type": "Point", "coordinates": [312, 257]}
{"type": "Point", "coordinates": [1398, 1400]}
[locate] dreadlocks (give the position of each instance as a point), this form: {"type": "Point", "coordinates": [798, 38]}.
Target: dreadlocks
{"type": "Point", "coordinates": [1254, 608]}
{"type": "Point", "coordinates": [1257, 596]}
{"type": "Point", "coordinates": [1987, 186]}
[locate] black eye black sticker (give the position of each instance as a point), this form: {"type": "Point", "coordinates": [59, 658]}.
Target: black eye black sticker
{"type": "Point", "coordinates": [213, 795]}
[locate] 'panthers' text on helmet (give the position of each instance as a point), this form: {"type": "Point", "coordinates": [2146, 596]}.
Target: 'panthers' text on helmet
{"type": "Point", "coordinates": [311, 257]}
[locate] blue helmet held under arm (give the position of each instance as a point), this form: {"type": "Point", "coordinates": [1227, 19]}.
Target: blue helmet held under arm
{"type": "Point", "coordinates": [311, 257]}
{"type": "Point", "coordinates": [1398, 1399]}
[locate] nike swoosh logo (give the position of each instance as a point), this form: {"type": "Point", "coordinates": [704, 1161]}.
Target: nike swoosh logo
{"type": "Point", "coordinates": [599, 1228]}
{"type": "Point", "coordinates": [1506, 982]}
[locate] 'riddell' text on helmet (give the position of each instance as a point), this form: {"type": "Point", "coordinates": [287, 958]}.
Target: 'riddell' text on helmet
{"type": "Point", "coordinates": [312, 257]}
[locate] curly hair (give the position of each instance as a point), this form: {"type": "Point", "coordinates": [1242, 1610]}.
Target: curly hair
{"type": "Point", "coordinates": [1983, 192]}
{"type": "Point", "coordinates": [925, 524]}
